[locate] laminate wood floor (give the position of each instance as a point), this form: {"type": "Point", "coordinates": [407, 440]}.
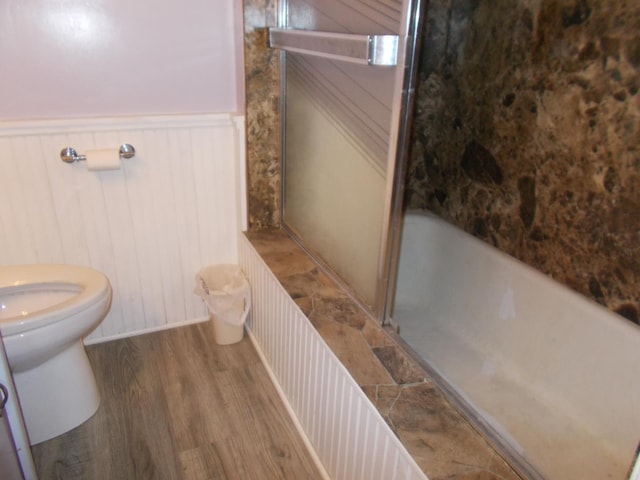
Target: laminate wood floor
{"type": "Point", "coordinates": [177, 406]}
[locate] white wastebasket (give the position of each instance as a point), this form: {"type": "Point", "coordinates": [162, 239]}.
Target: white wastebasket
{"type": "Point", "coordinates": [226, 291]}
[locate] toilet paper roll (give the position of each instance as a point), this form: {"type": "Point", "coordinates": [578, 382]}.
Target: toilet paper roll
{"type": "Point", "coordinates": [103, 159]}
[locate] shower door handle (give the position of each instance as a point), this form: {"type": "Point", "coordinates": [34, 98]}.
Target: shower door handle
{"type": "Point", "coordinates": [373, 50]}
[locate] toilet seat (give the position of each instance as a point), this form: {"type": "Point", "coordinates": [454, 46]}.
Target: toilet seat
{"type": "Point", "coordinates": [84, 285]}
{"type": "Point", "coordinates": [49, 309]}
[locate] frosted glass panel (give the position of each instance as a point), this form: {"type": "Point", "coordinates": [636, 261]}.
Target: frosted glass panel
{"type": "Point", "coordinates": [337, 134]}
{"type": "Point", "coordinates": [346, 16]}
{"type": "Point", "coordinates": [334, 195]}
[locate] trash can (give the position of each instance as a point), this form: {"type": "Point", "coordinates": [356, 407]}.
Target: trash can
{"type": "Point", "coordinates": [226, 292]}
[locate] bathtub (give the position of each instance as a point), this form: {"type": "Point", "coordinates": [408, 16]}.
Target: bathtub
{"type": "Point", "coordinates": [554, 375]}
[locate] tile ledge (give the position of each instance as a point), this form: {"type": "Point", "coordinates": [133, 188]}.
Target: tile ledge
{"type": "Point", "coordinates": [287, 260]}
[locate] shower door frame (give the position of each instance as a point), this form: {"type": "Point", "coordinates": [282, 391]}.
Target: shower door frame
{"type": "Point", "coordinates": [401, 114]}
{"type": "Point", "coordinates": [388, 261]}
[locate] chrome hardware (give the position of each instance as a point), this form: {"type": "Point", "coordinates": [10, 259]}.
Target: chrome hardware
{"type": "Point", "coordinates": [69, 154]}
{"type": "Point", "coordinates": [4, 399]}
{"type": "Point", "coordinates": [374, 50]}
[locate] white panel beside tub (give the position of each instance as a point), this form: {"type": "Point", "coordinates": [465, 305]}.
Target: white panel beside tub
{"type": "Point", "coordinates": [552, 372]}
{"type": "Point", "coordinates": [150, 226]}
{"type": "Point", "coordinates": [348, 435]}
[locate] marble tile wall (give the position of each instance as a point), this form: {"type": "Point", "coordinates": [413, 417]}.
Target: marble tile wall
{"type": "Point", "coordinates": [527, 135]}
{"type": "Point", "coordinates": [262, 86]}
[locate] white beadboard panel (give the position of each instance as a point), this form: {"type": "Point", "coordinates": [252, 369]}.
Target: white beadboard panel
{"type": "Point", "coordinates": [346, 431]}
{"type": "Point", "coordinates": [150, 226]}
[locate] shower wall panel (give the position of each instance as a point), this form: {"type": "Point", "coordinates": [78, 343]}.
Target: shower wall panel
{"type": "Point", "coordinates": [527, 132]}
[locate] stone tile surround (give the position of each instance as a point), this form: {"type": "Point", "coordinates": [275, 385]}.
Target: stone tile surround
{"type": "Point", "coordinates": [439, 438]}
{"type": "Point", "coordinates": [526, 134]}
{"type": "Point", "coordinates": [262, 87]}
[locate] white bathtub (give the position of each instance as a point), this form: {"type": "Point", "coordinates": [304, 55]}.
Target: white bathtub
{"type": "Point", "coordinates": [556, 374]}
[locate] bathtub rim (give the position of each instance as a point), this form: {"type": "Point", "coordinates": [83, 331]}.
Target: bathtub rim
{"type": "Point", "coordinates": [619, 326]}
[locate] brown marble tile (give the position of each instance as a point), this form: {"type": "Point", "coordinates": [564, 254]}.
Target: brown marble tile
{"type": "Point", "coordinates": [331, 306]}
{"type": "Point", "coordinates": [526, 132]}
{"type": "Point", "coordinates": [301, 285]}
{"type": "Point", "coordinates": [402, 369]}
{"type": "Point", "coordinates": [435, 434]}
{"type": "Point", "coordinates": [262, 92]}
{"type": "Point", "coordinates": [272, 241]}
{"type": "Point", "coordinates": [289, 263]}
{"type": "Point", "coordinates": [370, 392]}
{"type": "Point", "coordinates": [383, 398]}
{"type": "Point", "coordinates": [305, 304]}
{"type": "Point", "coordinates": [439, 438]}
{"type": "Point", "coordinates": [354, 353]}
{"type": "Point", "coordinates": [376, 336]}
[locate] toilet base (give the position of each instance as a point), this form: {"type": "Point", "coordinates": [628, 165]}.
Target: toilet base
{"type": "Point", "coordinates": [58, 395]}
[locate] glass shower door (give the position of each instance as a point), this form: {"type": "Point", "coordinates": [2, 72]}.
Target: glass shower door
{"type": "Point", "coordinates": [342, 96]}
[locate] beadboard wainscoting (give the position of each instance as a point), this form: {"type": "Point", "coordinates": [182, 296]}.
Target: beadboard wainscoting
{"type": "Point", "coordinates": [150, 226]}
{"type": "Point", "coordinates": [350, 438]}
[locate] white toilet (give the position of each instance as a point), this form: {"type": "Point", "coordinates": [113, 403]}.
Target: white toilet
{"type": "Point", "coordinates": [45, 312]}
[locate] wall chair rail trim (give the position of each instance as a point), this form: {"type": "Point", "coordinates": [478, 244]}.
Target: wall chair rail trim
{"type": "Point", "coordinates": [124, 123]}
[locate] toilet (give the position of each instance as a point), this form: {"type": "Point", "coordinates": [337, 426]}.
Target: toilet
{"type": "Point", "coordinates": [45, 312]}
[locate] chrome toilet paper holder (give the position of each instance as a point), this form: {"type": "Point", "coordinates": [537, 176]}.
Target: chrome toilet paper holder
{"type": "Point", "coordinates": [70, 155]}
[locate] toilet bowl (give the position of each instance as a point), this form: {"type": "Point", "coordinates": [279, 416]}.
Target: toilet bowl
{"type": "Point", "coordinates": [45, 312]}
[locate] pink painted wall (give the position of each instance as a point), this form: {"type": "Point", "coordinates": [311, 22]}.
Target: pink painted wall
{"type": "Point", "coordinates": [78, 58]}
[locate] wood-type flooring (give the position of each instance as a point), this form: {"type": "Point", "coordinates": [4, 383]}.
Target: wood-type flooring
{"type": "Point", "coordinates": [177, 406]}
